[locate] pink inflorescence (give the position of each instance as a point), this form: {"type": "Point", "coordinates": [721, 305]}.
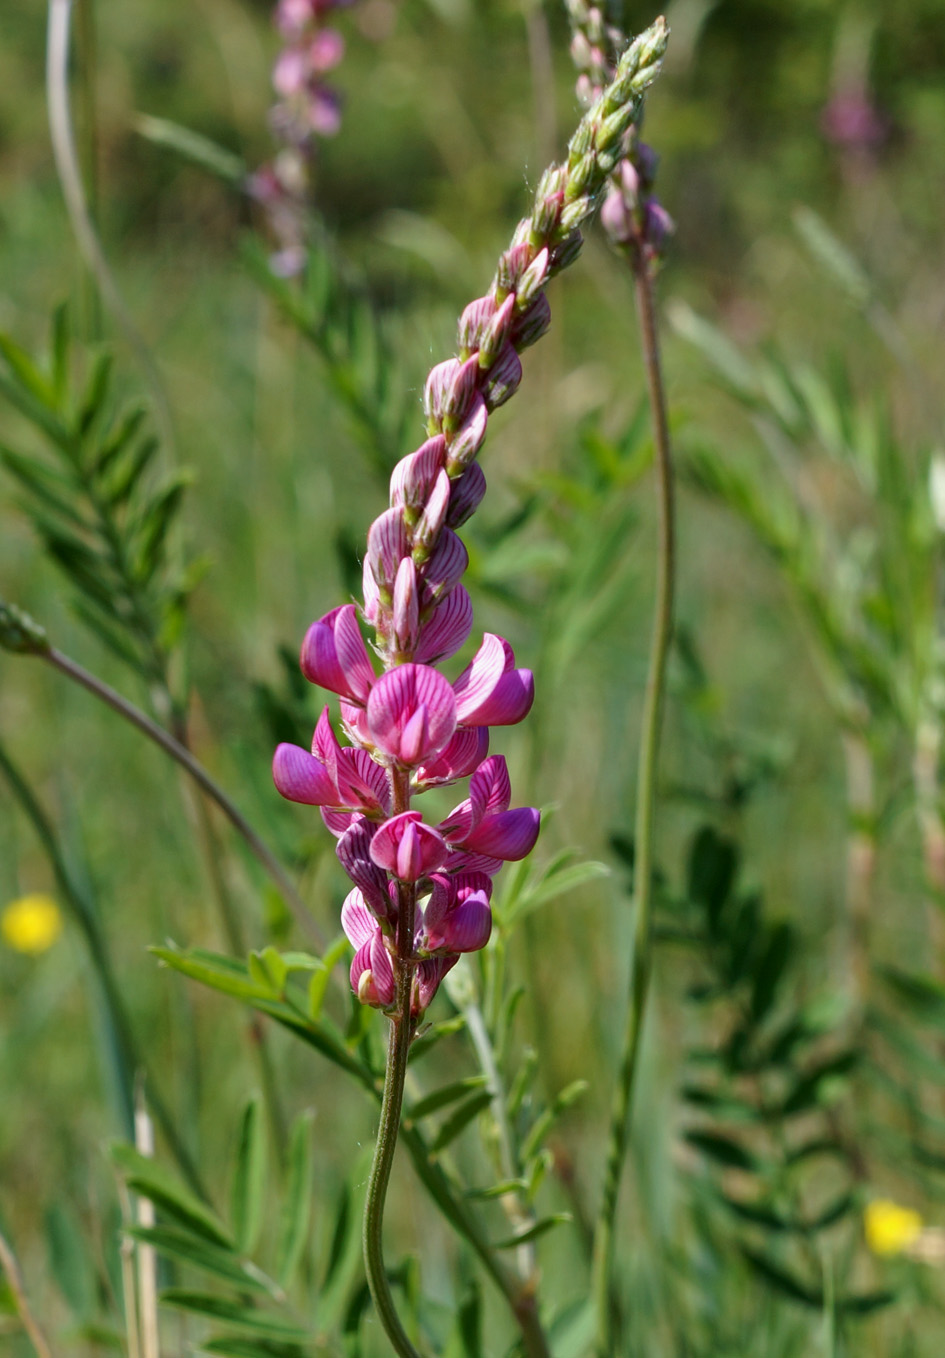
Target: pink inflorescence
{"type": "Point", "coordinates": [307, 108]}
{"type": "Point", "coordinates": [409, 726]}
{"type": "Point", "coordinates": [422, 892]}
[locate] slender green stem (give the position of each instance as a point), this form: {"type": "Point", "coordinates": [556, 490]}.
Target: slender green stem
{"type": "Point", "coordinates": [641, 955]}
{"type": "Point", "coordinates": [398, 1049]}
{"type": "Point", "coordinates": [178, 752]}
{"type": "Point", "coordinates": [80, 218]}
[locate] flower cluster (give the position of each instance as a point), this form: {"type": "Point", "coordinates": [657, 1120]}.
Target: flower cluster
{"type": "Point", "coordinates": [307, 108]}
{"type": "Point", "coordinates": [422, 892]}
{"type": "Point", "coordinates": [634, 220]}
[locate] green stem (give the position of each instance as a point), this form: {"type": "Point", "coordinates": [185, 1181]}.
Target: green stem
{"type": "Point", "coordinates": [178, 752]}
{"type": "Point", "coordinates": [398, 1049]}
{"type": "Point", "coordinates": [641, 956]}
{"type": "Point", "coordinates": [401, 1033]}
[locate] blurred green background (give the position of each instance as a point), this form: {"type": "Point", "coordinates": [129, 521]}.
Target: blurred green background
{"type": "Point", "coordinates": [451, 110]}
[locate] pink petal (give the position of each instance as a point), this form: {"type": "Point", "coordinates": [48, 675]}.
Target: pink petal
{"type": "Point", "coordinates": [356, 919]}
{"type": "Point", "coordinates": [463, 753]}
{"type": "Point", "coordinates": [362, 783]}
{"type": "Point", "coordinates": [433, 517]}
{"type": "Point", "coordinates": [460, 861]}
{"type": "Point", "coordinates": [335, 657]}
{"type": "Point", "coordinates": [386, 548]}
{"type": "Point", "coordinates": [411, 713]}
{"type": "Point", "coordinates": [489, 692]}
{"type": "Point", "coordinates": [372, 976]}
{"type": "Point", "coordinates": [448, 628]}
{"type": "Point", "coordinates": [465, 495]}
{"type": "Point", "coordinates": [429, 975]}
{"type": "Point", "coordinates": [464, 928]}
{"type": "Point", "coordinates": [491, 785]}
{"type": "Point", "coordinates": [300, 777]}
{"type": "Point", "coordinates": [354, 854]}
{"type": "Point", "coordinates": [445, 566]}
{"type": "Point", "coordinates": [408, 848]}
{"type": "Point", "coordinates": [405, 617]}
{"type": "Point", "coordinates": [466, 442]}
{"type": "Point", "coordinates": [414, 476]}
{"type": "Point", "coordinates": [510, 835]}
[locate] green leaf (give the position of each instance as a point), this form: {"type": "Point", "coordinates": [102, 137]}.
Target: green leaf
{"type": "Point", "coordinates": [229, 1346]}
{"type": "Point", "coordinates": [155, 523]}
{"type": "Point", "coordinates": [435, 1034]}
{"type": "Point", "coordinates": [26, 372]}
{"type": "Point", "coordinates": [543, 1125]}
{"type": "Point", "coordinates": [268, 969]}
{"type": "Point", "coordinates": [232, 1347]}
{"type": "Point", "coordinates": [318, 985]}
{"type": "Point", "coordinates": [781, 1279]}
{"type": "Point", "coordinates": [59, 351]}
{"type": "Point", "coordinates": [92, 405]}
{"type": "Point", "coordinates": [153, 1181]}
{"type": "Point", "coordinates": [923, 995]}
{"type": "Point", "coordinates": [193, 146]}
{"type": "Point", "coordinates": [770, 969]}
{"type": "Point", "coordinates": [477, 1103]}
{"type": "Point", "coordinates": [249, 1178]}
{"type": "Point", "coordinates": [190, 1249]}
{"type": "Point", "coordinates": [297, 1199]}
{"type": "Point", "coordinates": [50, 487]}
{"type": "Point", "coordinates": [537, 1229]}
{"type": "Point", "coordinates": [440, 1098]}
{"type": "Point", "coordinates": [70, 1259]}
{"type": "Point", "coordinates": [247, 1317]}
{"type": "Point", "coordinates": [713, 864]}
{"type": "Point", "coordinates": [722, 1149]}
{"type": "Point", "coordinates": [469, 1322]}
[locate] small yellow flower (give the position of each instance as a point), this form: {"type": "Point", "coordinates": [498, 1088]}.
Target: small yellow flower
{"type": "Point", "coordinates": [890, 1229]}
{"type": "Point", "coordinates": [31, 924]}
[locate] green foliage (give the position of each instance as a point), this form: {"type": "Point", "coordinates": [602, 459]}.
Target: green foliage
{"type": "Point", "coordinates": [101, 510]}
{"type": "Point", "coordinates": [764, 1084]}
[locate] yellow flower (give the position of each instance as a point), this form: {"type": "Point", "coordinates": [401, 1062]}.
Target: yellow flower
{"type": "Point", "coordinates": [31, 924]}
{"type": "Point", "coordinates": [890, 1229]}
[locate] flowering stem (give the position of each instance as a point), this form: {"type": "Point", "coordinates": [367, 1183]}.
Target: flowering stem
{"type": "Point", "coordinates": [178, 752]}
{"type": "Point", "coordinates": [641, 956]}
{"type": "Point", "coordinates": [398, 1048]}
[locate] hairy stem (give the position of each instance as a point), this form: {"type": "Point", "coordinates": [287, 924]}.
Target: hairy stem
{"type": "Point", "coordinates": [178, 752]}
{"type": "Point", "coordinates": [641, 953]}
{"type": "Point", "coordinates": [398, 1049]}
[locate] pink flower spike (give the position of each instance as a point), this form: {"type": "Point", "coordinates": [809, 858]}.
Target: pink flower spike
{"type": "Point", "coordinates": [474, 322]}
{"type": "Point", "coordinates": [464, 752]}
{"type": "Point", "coordinates": [408, 848]}
{"type": "Point", "coordinates": [449, 389]}
{"type": "Point", "coordinates": [529, 325]}
{"type": "Point", "coordinates": [447, 630]}
{"type": "Point", "coordinates": [300, 777]}
{"type": "Point", "coordinates": [490, 691]}
{"type": "Point", "coordinates": [411, 713]}
{"type": "Point", "coordinates": [335, 657]}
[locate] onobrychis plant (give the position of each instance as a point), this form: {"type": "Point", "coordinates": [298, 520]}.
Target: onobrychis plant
{"type": "Point", "coordinates": [421, 892]}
